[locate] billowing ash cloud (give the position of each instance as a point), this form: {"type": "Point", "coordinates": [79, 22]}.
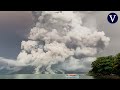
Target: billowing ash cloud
{"type": "Point", "coordinates": [59, 42]}
{"type": "Point", "coordinates": [8, 66]}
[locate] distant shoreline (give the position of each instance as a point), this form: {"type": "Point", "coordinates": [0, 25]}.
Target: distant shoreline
{"type": "Point", "coordinates": [101, 76]}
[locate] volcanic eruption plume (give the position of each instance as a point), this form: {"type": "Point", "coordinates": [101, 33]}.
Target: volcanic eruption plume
{"type": "Point", "coordinates": [60, 43]}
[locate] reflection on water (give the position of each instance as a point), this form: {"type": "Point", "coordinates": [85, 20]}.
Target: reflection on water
{"type": "Point", "coordinates": [43, 76]}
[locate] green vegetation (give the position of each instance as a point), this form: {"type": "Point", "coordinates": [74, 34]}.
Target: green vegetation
{"type": "Point", "coordinates": [116, 65]}
{"type": "Point", "coordinates": [109, 66]}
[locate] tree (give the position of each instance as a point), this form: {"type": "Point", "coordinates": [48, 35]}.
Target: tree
{"type": "Point", "coordinates": [116, 64]}
{"type": "Point", "coordinates": [103, 65]}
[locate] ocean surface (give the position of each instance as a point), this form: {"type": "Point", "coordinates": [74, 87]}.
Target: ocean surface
{"type": "Point", "coordinates": [45, 76]}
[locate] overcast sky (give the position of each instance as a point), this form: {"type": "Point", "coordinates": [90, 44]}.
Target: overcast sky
{"type": "Point", "coordinates": [14, 25]}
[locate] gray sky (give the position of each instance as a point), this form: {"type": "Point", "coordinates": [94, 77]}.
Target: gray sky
{"type": "Point", "coordinates": [111, 30]}
{"type": "Point", "coordinates": [14, 25]}
{"type": "Point", "coordinates": [13, 28]}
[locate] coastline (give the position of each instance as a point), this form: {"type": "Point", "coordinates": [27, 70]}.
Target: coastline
{"type": "Point", "coordinates": [101, 76]}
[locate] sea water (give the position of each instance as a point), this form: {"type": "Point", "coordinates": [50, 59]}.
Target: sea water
{"type": "Point", "coordinates": [44, 76]}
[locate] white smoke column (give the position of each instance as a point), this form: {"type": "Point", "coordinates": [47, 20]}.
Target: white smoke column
{"type": "Point", "coordinates": [59, 42]}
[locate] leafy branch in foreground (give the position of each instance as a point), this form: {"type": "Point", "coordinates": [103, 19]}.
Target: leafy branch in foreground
{"type": "Point", "coordinates": [106, 65]}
